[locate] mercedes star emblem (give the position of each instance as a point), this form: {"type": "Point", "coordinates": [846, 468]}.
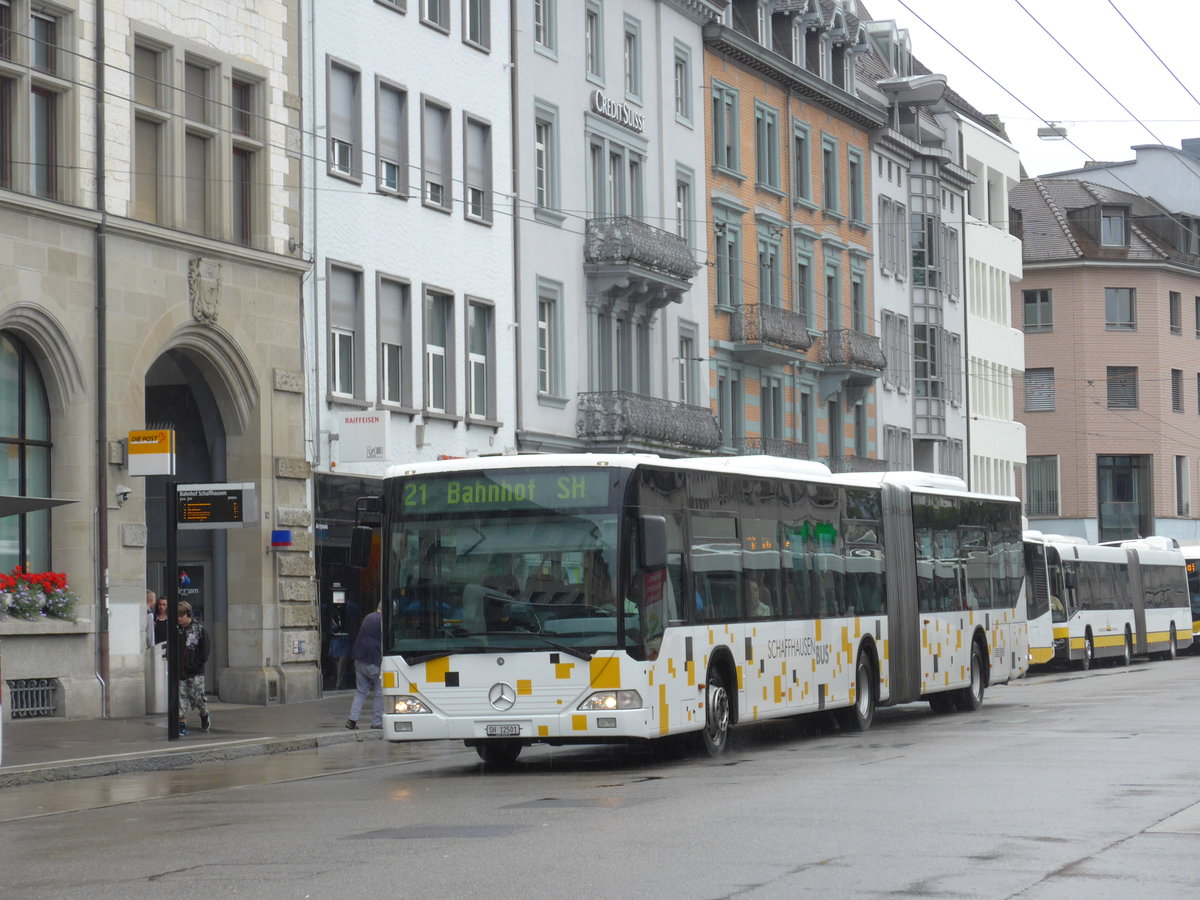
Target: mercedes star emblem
{"type": "Point", "coordinates": [502, 696]}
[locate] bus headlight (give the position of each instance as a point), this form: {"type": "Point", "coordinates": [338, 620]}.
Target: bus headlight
{"type": "Point", "coordinates": [606, 700]}
{"type": "Point", "coordinates": [408, 706]}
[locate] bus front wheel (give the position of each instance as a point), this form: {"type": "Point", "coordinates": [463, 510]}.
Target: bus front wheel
{"type": "Point", "coordinates": [1173, 646]}
{"type": "Point", "coordinates": [715, 735]}
{"type": "Point", "coordinates": [859, 716]}
{"type": "Point", "coordinates": [499, 753]}
{"type": "Point", "coordinates": [970, 698]}
{"type": "Point", "coordinates": [1089, 653]}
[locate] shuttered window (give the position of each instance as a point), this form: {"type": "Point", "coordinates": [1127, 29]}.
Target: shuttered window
{"type": "Point", "coordinates": [1122, 387]}
{"type": "Point", "coordinates": [1039, 389]}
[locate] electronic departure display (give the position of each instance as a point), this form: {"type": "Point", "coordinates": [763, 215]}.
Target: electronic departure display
{"type": "Point", "coordinates": [215, 505]}
{"type": "Point", "coordinates": [507, 491]}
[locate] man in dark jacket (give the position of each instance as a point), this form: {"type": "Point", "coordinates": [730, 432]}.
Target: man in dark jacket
{"type": "Point", "coordinates": [193, 654]}
{"type": "Point", "coordinates": [368, 657]}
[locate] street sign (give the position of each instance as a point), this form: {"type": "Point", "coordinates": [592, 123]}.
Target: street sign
{"type": "Point", "coordinates": [200, 506]}
{"type": "Point", "coordinates": [152, 452]}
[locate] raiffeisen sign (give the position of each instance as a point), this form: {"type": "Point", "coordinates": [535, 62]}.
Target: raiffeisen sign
{"type": "Point", "coordinates": [621, 113]}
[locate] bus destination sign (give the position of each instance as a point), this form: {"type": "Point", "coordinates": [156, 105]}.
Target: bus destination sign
{"type": "Point", "coordinates": [496, 491]}
{"type": "Point", "coordinates": [215, 505]}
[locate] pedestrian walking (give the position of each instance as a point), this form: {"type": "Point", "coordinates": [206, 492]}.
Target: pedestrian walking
{"type": "Point", "coordinates": [368, 657]}
{"type": "Point", "coordinates": [193, 654]}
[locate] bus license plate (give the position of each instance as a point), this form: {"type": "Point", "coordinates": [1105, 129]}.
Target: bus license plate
{"type": "Point", "coordinates": [504, 730]}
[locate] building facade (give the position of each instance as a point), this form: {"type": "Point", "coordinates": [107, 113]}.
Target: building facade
{"type": "Point", "coordinates": [795, 353]}
{"type": "Point", "coordinates": [148, 204]}
{"type": "Point", "coordinates": [1109, 393]}
{"type": "Point", "coordinates": [608, 120]}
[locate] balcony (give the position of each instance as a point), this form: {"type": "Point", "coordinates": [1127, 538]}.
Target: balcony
{"type": "Point", "coordinates": [754, 446]}
{"type": "Point", "coordinates": [624, 422]}
{"type": "Point", "coordinates": [853, 360]}
{"type": "Point", "coordinates": [766, 335]}
{"type": "Point", "coordinates": [628, 259]}
{"type": "Point", "coordinates": [839, 464]}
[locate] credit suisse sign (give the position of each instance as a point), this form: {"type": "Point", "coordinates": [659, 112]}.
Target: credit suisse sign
{"type": "Point", "coordinates": [621, 113]}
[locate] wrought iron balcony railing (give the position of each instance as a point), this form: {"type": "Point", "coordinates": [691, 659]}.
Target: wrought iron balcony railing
{"type": "Point", "coordinates": [752, 446]}
{"type": "Point", "coordinates": [624, 418]}
{"type": "Point", "coordinates": [623, 239]}
{"type": "Point", "coordinates": [847, 348]}
{"type": "Point", "coordinates": [755, 323]}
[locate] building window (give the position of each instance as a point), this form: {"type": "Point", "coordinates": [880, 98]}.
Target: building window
{"type": "Point", "coordinates": [804, 286]}
{"type": "Point", "coordinates": [731, 416]}
{"type": "Point", "coordinates": [1122, 387]}
{"type": "Point", "coordinates": [436, 168]}
{"type": "Point", "coordinates": [248, 199]}
{"type": "Point", "coordinates": [1120, 309]}
{"type": "Point", "coordinates": [1039, 310]}
{"type": "Point", "coordinates": [766, 146]}
{"type": "Point", "coordinates": [477, 14]}
{"type": "Point", "coordinates": [1177, 390]}
{"type": "Point", "coordinates": [345, 125]}
{"type": "Point", "coordinates": [1039, 390]}
{"type": "Point", "coordinates": [770, 268]}
{"type": "Point", "coordinates": [344, 289]}
{"type": "Point", "coordinates": [801, 164]}
{"type": "Point", "coordinates": [477, 137]}
{"type": "Point", "coordinates": [833, 296]}
{"type": "Point", "coordinates": [859, 320]}
{"type": "Point", "coordinates": [545, 159]}
{"type": "Point", "coordinates": [549, 338]}
{"type": "Point", "coordinates": [633, 59]}
{"type": "Point", "coordinates": [439, 364]}
{"type": "Point", "coordinates": [593, 30]}
{"type": "Point", "coordinates": [436, 14]}
{"type": "Point", "coordinates": [724, 127]}
{"type": "Point", "coordinates": [829, 174]}
{"type": "Point", "coordinates": [898, 448]}
{"type": "Point", "coordinates": [729, 264]}
{"type": "Point", "coordinates": [481, 392]}
{"type": "Point", "coordinates": [684, 212]}
{"type": "Point", "coordinates": [394, 329]}
{"type": "Point", "coordinates": [615, 178]}
{"type": "Point", "coordinates": [1041, 484]}
{"type": "Point", "coordinates": [1112, 227]}
{"type": "Point", "coordinates": [149, 126]}
{"type": "Point", "coordinates": [898, 373]}
{"type": "Point", "coordinates": [1183, 487]}
{"type": "Point", "coordinates": [26, 449]}
{"type": "Point", "coordinates": [683, 84]}
{"type": "Point", "coordinates": [545, 25]}
{"type": "Point", "coordinates": [689, 366]}
{"type": "Point", "coordinates": [391, 138]}
{"type": "Point", "coordinates": [856, 178]}
{"type": "Point", "coordinates": [34, 110]}
{"type": "Point", "coordinates": [1175, 311]}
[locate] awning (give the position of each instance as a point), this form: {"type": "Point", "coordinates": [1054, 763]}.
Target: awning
{"type": "Point", "coordinates": [15, 506]}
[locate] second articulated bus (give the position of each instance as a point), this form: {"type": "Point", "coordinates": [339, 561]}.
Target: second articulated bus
{"type": "Point", "coordinates": [589, 598]}
{"type": "Point", "coordinates": [1088, 602]}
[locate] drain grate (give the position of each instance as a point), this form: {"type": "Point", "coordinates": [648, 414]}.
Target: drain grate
{"type": "Point", "coordinates": [33, 698]}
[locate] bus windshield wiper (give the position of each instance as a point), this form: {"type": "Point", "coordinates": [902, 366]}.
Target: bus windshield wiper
{"type": "Point", "coordinates": [570, 651]}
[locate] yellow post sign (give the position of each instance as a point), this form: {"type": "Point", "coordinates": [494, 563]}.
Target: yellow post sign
{"type": "Point", "coordinates": [152, 452]}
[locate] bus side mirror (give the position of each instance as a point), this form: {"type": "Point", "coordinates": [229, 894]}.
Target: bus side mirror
{"type": "Point", "coordinates": [360, 546]}
{"type": "Point", "coordinates": [654, 543]}
{"type": "Point", "coordinates": [1069, 580]}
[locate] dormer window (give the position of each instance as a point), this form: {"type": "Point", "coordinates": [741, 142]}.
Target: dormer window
{"type": "Point", "coordinates": [1112, 226]}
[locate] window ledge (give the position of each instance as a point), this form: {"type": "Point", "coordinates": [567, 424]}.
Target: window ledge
{"type": "Point", "coordinates": [437, 207]}
{"type": "Point", "coordinates": [833, 214]}
{"type": "Point", "coordinates": [397, 408]}
{"type": "Point", "coordinates": [549, 216]}
{"type": "Point", "coordinates": [769, 189]}
{"type": "Point", "coordinates": [440, 417]}
{"type": "Point", "coordinates": [804, 203]}
{"type": "Point", "coordinates": [342, 400]}
{"type": "Point", "coordinates": [552, 400]}
{"type": "Point", "coordinates": [436, 26]}
{"type": "Point", "coordinates": [729, 173]}
{"type": "Point", "coordinates": [482, 48]}
{"type": "Point", "coordinates": [351, 177]}
{"type": "Point", "coordinates": [483, 423]}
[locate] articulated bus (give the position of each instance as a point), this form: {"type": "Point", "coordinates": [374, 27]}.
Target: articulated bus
{"type": "Point", "coordinates": [1108, 601]}
{"type": "Point", "coordinates": [616, 598]}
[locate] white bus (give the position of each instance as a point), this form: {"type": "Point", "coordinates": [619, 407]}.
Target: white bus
{"type": "Point", "coordinates": [1107, 601]}
{"type": "Point", "coordinates": [1191, 556]}
{"type": "Point", "coordinates": [591, 598]}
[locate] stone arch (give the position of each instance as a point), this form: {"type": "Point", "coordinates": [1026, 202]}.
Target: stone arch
{"type": "Point", "coordinates": [52, 347]}
{"type": "Point", "coordinates": [229, 373]}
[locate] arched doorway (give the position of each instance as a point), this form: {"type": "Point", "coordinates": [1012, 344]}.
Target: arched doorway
{"type": "Point", "coordinates": [178, 397]}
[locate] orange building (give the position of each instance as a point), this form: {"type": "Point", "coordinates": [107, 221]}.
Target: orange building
{"type": "Point", "coordinates": [794, 353]}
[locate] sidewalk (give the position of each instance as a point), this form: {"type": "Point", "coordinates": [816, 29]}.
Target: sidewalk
{"type": "Point", "coordinates": [36, 750]}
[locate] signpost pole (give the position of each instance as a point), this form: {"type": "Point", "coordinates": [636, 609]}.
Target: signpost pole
{"type": "Point", "coordinates": [172, 580]}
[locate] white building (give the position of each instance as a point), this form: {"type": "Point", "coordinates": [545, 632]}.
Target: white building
{"type": "Point", "coordinates": [995, 349]}
{"type": "Point", "coordinates": [611, 316]}
{"type": "Point", "coordinates": [408, 221]}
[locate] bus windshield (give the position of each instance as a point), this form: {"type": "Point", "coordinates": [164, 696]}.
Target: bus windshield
{"type": "Point", "coordinates": [505, 562]}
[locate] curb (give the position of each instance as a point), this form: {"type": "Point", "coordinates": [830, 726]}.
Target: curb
{"type": "Point", "coordinates": [39, 773]}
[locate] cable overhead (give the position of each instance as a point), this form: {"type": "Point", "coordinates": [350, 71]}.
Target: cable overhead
{"type": "Point", "coordinates": [1154, 53]}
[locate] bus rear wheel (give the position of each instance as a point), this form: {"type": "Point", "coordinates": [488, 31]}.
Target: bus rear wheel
{"type": "Point", "coordinates": [1127, 656]}
{"type": "Point", "coordinates": [860, 716]}
{"type": "Point", "coordinates": [941, 702]}
{"type": "Point", "coordinates": [1173, 646]}
{"type": "Point", "coordinates": [499, 753]}
{"type": "Point", "coordinates": [970, 698]}
{"type": "Point", "coordinates": [714, 738]}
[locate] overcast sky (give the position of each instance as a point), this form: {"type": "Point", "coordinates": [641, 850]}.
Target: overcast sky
{"type": "Point", "coordinates": [1005, 42]}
